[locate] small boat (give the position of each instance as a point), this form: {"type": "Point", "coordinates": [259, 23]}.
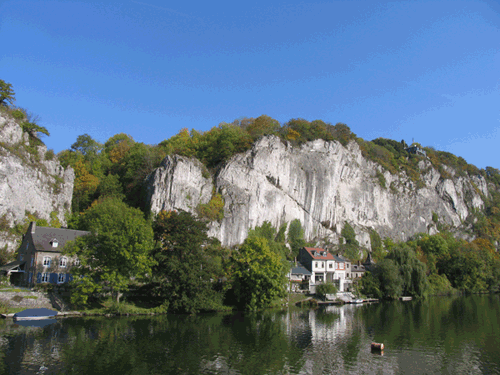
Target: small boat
{"type": "Point", "coordinates": [35, 314]}
{"type": "Point", "coordinates": [358, 301]}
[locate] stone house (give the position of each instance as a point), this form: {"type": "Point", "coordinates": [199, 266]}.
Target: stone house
{"type": "Point", "coordinates": [39, 256]}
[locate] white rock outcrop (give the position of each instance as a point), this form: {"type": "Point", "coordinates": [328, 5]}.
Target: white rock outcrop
{"type": "Point", "coordinates": [27, 185]}
{"type": "Point", "coordinates": [323, 184]}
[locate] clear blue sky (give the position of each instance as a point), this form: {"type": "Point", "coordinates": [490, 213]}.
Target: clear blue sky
{"type": "Point", "coordinates": [428, 70]}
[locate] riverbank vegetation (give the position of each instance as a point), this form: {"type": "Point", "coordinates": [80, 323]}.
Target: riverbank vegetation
{"type": "Point", "coordinates": [434, 265]}
{"type": "Point", "coordinates": [170, 261]}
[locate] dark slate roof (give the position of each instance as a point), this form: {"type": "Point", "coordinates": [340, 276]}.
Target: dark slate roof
{"type": "Point", "coordinates": [7, 267]}
{"type": "Point", "coordinates": [356, 268]}
{"type": "Point", "coordinates": [342, 258]}
{"type": "Point", "coordinates": [43, 237]}
{"type": "Point", "coordinates": [299, 269]}
{"type": "Point", "coordinates": [369, 260]}
{"type": "Point", "coordinates": [338, 259]}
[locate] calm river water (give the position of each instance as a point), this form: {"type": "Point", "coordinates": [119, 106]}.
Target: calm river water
{"type": "Point", "coordinates": [442, 335]}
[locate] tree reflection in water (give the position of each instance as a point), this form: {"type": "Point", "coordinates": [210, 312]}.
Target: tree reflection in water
{"type": "Point", "coordinates": [443, 335]}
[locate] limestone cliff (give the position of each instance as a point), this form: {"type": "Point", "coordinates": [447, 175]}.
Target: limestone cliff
{"type": "Point", "coordinates": [31, 181]}
{"type": "Point", "coordinates": [324, 185]}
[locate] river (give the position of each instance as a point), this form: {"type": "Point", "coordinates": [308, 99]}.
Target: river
{"type": "Point", "coordinates": [441, 335]}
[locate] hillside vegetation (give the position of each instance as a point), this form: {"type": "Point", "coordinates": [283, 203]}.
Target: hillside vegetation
{"type": "Point", "coordinates": [108, 189]}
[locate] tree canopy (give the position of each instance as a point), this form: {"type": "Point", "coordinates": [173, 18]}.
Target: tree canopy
{"type": "Point", "coordinates": [190, 265]}
{"type": "Point", "coordinates": [259, 274]}
{"type": "Point", "coordinates": [117, 249]}
{"type": "Point", "coordinates": [6, 93]}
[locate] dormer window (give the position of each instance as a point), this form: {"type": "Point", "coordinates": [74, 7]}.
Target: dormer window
{"type": "Point", "coordinates": [54, 242]}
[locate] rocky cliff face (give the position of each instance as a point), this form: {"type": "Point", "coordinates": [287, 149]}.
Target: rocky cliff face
{"type": "Point", "coordinates": [29, 183]}
{"type": "Point", "coordinates": [324, 185]}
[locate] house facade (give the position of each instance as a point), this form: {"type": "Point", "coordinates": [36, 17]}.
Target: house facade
{"type": "Point", "coordinates": [39, 256]}
{"type": "Point", "coordinates": [299, 278]}
{"type": "Point", "coordinates": [325, 267]}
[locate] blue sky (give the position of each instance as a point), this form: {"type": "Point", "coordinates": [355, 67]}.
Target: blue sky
{"type": "Point", "coordinates": [422, 70]}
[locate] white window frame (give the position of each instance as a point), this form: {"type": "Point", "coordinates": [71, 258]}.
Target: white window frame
{"type": "Point", "coordinates": [61, 278]}
{"type": "Point", "coordinates": [47, 261]}
{"type": "Point", "coordinates": [76, 262]}
{"type": "Point", "coordinates": [45, 277]}
{"type": "Point", "coordinates": [55, 243]}
{"type": "Point", "coordinates": [63, 262]}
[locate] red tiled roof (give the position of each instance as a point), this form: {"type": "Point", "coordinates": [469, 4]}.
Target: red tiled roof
{"type": "Point", "coordinates": [310, 250]}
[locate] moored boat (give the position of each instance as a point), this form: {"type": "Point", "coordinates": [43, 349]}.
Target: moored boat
{"type": "Point", "coordinates": [35, 314]}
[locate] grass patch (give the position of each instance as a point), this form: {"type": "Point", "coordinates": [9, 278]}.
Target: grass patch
{"type": "Point", "coordinates": [291, 299]}
{"type": "Point", "coordinates": [110, 306]}
{"type": "Point", "coordinates": [17, 298]}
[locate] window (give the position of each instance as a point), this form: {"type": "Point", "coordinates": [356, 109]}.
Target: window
{"type": "Point", "coordinates": [30, 277]}
{"type": "Point", "coordinates": [61, 278]}
{"type": "Point", "coordinates": [347, 265]}
{"type": "Point", "coordinates": [331, 265]}
{"type": "Point", "coordinates": [76, 262]}
{"type": "Point", "coordinates": [54, 243]}
{"type": "Point", "coordinates": [63, 261]}
{"type": "Point", "coordinates": [317, 265]}
{"type": "Point", "coordinates": [45, 277]}
{"type": "Point", "coordinates": [347, 275]}
{"type": "Point", "coordinates": [32, 261]}
{"type": "Point", "coordinates": [21, 257]}
{"type": "Point", "coordinates": [46, 261]}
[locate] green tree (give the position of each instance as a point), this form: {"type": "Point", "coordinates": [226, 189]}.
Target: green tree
{"type": "Point", "coordinates": [189, 263]}
{"type": "Point", "coordinates": [6, 93]}
{"type": "Point", "coordinates": [117, 249]}
{"type": "Point", "coordinates": [259, 274]}
{"type": "Point", "coordinates": [296, 237]}
{"type": "Point", "coordinates": [391, 282]}
{"type": "Point", "coordinates": [370, 285]}
{"type": "Point", "coordinates": [275, 241]}
{"type": "Point", "coordinates": [87, 146]}
{"type": "Point", "coordinates": [412, 270]}
{"type": "Point", "coordinates": [326, 288]}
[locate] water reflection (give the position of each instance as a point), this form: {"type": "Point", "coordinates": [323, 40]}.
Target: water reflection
{"type": "Point", "coordinates": [441, 335]}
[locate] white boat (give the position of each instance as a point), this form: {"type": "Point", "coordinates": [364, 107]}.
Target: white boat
{"type": "Point", "coordinates": [35, 314]}
{"type": "Point", "coordinates": [358, 300]}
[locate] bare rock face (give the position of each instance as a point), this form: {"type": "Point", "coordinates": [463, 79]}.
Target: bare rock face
{"type": "Point", "coordinates": [324, 185]}
{"type": "Point", "coordinates": [179, 183]}
{"type": "Point", "coordinates": [29, 183]}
